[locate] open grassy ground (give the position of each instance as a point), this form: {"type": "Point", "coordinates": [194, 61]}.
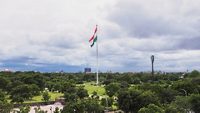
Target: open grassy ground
{"type": "Point", "coordinates": [91, 88]}
{"type": "Point", "coordinates": [53, 95]}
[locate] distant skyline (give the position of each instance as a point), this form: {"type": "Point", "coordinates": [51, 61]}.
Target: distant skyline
{"type": "Point", "coordinates": [52, 35]}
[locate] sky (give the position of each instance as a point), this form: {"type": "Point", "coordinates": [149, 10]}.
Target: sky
{"type": "Point", "coordinates": [52, 35]}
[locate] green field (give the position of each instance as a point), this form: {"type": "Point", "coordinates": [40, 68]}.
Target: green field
{"type": "Point", "coordinates": [91, 88]}
{"type": "Point", "coordinates": [53, 95]}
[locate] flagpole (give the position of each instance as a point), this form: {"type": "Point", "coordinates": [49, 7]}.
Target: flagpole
{"type": "Point", "coordinates": [97, 61]}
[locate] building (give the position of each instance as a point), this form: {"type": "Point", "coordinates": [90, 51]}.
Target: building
{"type": "Point", "coordinates": [87, 70]}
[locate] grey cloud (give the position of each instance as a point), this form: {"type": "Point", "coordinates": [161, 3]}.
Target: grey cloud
{"type": "Point", "coordinates": [190, 43]}
{"type": "Point", "coordinates": [138, 22]}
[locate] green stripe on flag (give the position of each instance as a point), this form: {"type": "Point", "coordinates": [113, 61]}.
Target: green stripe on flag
{"type": "Point", "coordinates": [95, 39]}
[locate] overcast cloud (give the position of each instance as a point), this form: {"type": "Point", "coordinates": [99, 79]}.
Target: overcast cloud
{"type": "Point", "coordinates": [52, 35]}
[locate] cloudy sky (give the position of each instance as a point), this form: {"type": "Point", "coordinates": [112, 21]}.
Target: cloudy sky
{"type": "Point", "coordinates": [52, 35]}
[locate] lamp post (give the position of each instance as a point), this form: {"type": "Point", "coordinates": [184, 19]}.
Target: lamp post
{"type": "Point", "coordinates": [152, 61]}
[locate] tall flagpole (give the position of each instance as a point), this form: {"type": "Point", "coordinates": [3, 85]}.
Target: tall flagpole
{"type": "Point", "coordinates": [97, 58]}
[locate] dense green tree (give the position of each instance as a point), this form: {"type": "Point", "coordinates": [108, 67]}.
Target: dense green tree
{"type": "Point", "coordinates": [179, 105]}
{"type": "Point", "coordinates": [194, 73]}
{"type": "Point", "coordinates": [111, 89]}
{"type": "Point", "coordinates": [68, 87]}
{"type": "Point", "coordinates": [84, 106]}
{"type": "Point", "coordinates": [22, 92]}
{"type": "Point", "coordinates": [132, 100]}
{"type": "Point", "coordinates": [24, 109]}
{"type": "Point", "coordinates": [167, 95]}
{"type": "Point", "coordinates": [151, 108]}
{"type": "Point", "coordinates": [70, 97]}
{"type": "Point", "coordinates": [195, 103]}
{"type": "Point", "coordinates": [38, 110]}
{"type": "Point", "coordinates": [185, 87]}
{"type": "Point", "coordinates": [107, 102]}
{"type": "Point", "coordinates": [5, 107]}
{"type": "Point", "coordinates": [46, 96]}
{"type": "Point", "coordinates": [3, 83]}
{"type": "Point", "coordinates": [57, 110]}
{"type": "Point", "coordinates": [82, 93]}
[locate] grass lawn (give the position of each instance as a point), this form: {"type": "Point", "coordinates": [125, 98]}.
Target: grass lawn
{"type": "Point", "coordinates": [88, 86]}
{"type": "Point", "coordinates": [53, 95]}
{"type": "Point", "coordinates": [91, 88]}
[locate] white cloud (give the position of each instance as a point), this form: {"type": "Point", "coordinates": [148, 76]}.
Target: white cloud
{"type": "Point", "coordinates": [130, 31]}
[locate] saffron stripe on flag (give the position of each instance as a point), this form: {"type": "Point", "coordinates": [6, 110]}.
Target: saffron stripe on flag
{"type": "Point", "coordinates": [93, 34]}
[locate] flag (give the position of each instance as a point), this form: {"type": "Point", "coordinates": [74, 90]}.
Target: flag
{"type": "Point", "coordinates": [93, 39]}
{"type": "Point", "coordinates": [95, 31]}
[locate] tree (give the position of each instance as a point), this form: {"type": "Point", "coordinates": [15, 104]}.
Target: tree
{"type": "Point", "coordinates": [181, 104]}
{"type": "Point", "coordinates": [132, 100]}
{"type": "Point", "coordinates": [88, 106]}
{"type": "Point", "coordinates": [38, 110]}
{"type": "Point", "coordinates": [70, 97]}
{"type": "Point", "coordinates": [194, 73]}
{"type": "Point", "coordinates": [151, 108]}
{"type": "Point", "coordinates": [5, 107]}
{"type": "Point", "coordinates": [195, 103]}
{"type": "Point", "coordinates": [185, 87]}
{"type": "Point", "coordinates": [167, 95]}
{"type": "Point", "coordinates": [22, 92]}
{"type": "Point", "coordinates": [46, 96]}
{"type": "Point", "coordinates": [24, 109]}
{"type": "Point", "coordinates": [57, 110]}
{"type": "Point", "coordinates": [111, 89]}
{"type": "Point", "coordinates": [82, 93]}
{"type": "Point", "coordinates": [107, 102]}
{"type": "Point", "coordinates": [3, 83]}
{"type": "Point", "coordinates": [68, 87]}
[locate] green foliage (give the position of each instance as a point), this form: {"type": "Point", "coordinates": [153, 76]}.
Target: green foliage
{"type": "Point", "coordinates": [23, 92]}
{"type": "Point", "coordinates": [38, 110]}
{"type": "Point", "coordinates": [5, 107]}
{"type": "Point", "coordinates": [82, 93]}
{"type": "Point", "coordinates": [194, 73]}
{"type": "Point", "coordinates": [133, 100]}
{"type": "Point", "coordinates": [46, 96]}
{"type": "Point", "coordinates": [195, 103]}
{"type": "Point", "coordinates": [167, 95]}
{"type": "Point", "coordinates": [107, 102]}
{"type": "Point", "coordinates": [135, 91]}
{"type": "Point", "coordinates": [151, 108]}
{"type": "Point", "coordinates": [88, 106]}
{"type": "Point", "coordinates": [70, 97]}
{"type": "Point", "coordinates": [111, 89]}
{"type": "Point", "coordinates": [57, 110]}
{"type": "Point", "coordinates": [24, 109]}
{"type": "Point", "coordinates": [185, 87]}
{"type": "Point", "coordinates": [3, 83]}
{"type": "Point", "coordinates": [68, 87]}
{"type": "Point", "coordinates": [180, 105]}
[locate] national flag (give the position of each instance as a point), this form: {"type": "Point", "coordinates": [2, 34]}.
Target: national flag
{"type": "Point", "coordinates": [95, 39]}
{"type": "Point", "coordinates": [95, 31]}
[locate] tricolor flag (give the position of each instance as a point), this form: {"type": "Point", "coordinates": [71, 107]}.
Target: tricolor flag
{"type": "Point", "coordinates": [93, 39]}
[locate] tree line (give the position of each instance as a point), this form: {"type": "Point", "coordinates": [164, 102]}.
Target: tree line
{"type": "Point", "coordinates": [129, 92]}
